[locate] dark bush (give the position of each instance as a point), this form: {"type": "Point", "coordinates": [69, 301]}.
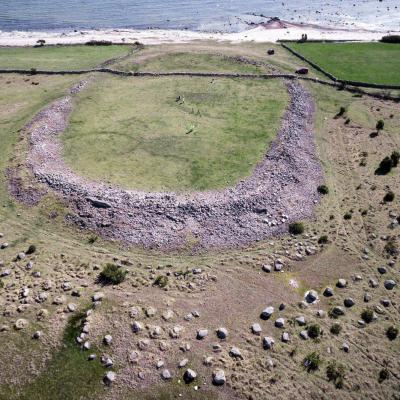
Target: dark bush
{"type": "Point", "coordinates": [389, 197]}
{"type": "Point", "coordinates": [99, 43]}
{"type": "Point", "coordinates": [323, 189]}
{"type": "Point", "coordinates": [161, 281]}
{"type": "Point", "coordinates": [323, 239]}
{"type": "Point", "coordinates": [384, 167]}
{"type": "Point", "coordinates": [31, 249]}
{"type": "Point", "coordinates": [347, 121]}
{"type": "Point", "coordinates": [383, 375]}
{"type": "Point", "coordinates": [92, 239]}
{"type": "Point", "coordinates": [391, 247]}
{"type": "Point", "coordinates": [336, 372]}
{"type": "Point", "coordinates": [336, 329]}
{"type": "Point", "coordinates": [391, 39]}
{"type": "Point", "coordinates": [367, 316]}
{"type": "Point", "coordinates": [313, 331]}
{"type": "Point", "coordinates": [348, 216]}
{"type": "Point", "coordinates": [312, 361]}
{"type": "Point", "coordinates": [392, 332]}
{"type": "Point", "coordinates": [395, 157]}
{"type": "Point", "coordinates": [33, 71]}
{"type": "Point", "coordinates": [341, 112]}
{"type": "Point", "coordinates": [112, 275]}
{"type": "Point", "coordinates": [1, 284]}
{"type": "Point", "coordinates": [296, 228]}
{"type": "Point", "coordinates": [380, 125]}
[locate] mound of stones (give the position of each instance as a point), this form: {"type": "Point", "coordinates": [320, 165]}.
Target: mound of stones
{"type": "Point", "coordinates": [281, 189]}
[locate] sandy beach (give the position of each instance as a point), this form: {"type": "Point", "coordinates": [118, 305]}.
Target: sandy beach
{"type": "Point", "coordinates": [260, 33]}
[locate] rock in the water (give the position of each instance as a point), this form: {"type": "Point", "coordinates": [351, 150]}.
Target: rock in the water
{"type": "Point", "coordinates": [218, 377]}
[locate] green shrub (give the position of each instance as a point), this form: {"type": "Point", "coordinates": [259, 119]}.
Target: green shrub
{"type": "Point", "coordinates": [1, 284]}
{"type": "Point", "coordinates": [323, 239]}
{"type": "Point", "coordinates": [336, 329]}
{"type": "Point", "coordinates": [391, 39]}
{"type": "Point", "coordinates": [367, 315]}
{"type": "Point", "coordinates": [323, 189]}
{"type": "Point", "coordinates": [296, 228]}
{"type": "Point", "coordinates": [389, 197]}
{"type": "Point", "coordinates": [384, 167]}
{"type": "Point", "coordinates": [391, 247]}
{"type": "Point", "coordinates": [380, 125]}
{"type": "Point", "coordinates": [383, 375]}
{"type": "Point", "coordinates": [314, 331]}
{"type": "Point", "coordinates": [312, 361]}
{"type": "Point", "coordinates": [161, 281]}
{"type": "Point", "coordinates": [336, 372]}
{"type": "Point", "coordinates": [341, 112]}
{"type": "Point", "coordinates": [392, 332]}
{"type": "Point", "coordinates": [348, 216]}
{"type": "Point", "coordinates": [395, 158]}
{"type": "Point", "coordinates": [31, 249]}
{"type": "Point", "coordinates": [112, 275]}
{"type": "Point", "coordinates": [92, 239]}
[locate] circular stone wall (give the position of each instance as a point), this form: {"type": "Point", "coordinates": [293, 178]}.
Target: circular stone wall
{"type": "Point", "coordinates": [282, 188]}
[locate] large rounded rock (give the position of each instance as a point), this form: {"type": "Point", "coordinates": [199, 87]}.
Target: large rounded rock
{"type": "Point", "coordinates": [202, 333]}
{"type": "Point", "coordinates": [267, 312]}
{"type": "Point", "coordinates": [189, 376]}
{"type": "Point", "coordinates": [268, 342]}
{"type": "Point", "coordinates": [218, 377]}
{"type": "Point", "coordinates": [389, 284]}
{"type": "Point", "coordinates": [222, 333]}
{"type": "Point", "coordinates": [311, 296]}
{"type": "Point", "coordinates": [109, 377]}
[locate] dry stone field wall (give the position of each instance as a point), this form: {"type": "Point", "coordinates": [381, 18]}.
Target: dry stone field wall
{"type": "Point", "coordinates": [281, 189]}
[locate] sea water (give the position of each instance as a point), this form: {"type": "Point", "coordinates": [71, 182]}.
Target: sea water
{"type": "Point", "coordinates": [197, 15]}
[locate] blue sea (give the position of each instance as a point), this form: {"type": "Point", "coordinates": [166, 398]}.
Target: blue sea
{"type": "Point", "coordinates": [197, 15]}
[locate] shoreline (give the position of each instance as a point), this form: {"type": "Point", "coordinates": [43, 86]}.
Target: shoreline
{"type": "Point", "coordinates": [261, 33]}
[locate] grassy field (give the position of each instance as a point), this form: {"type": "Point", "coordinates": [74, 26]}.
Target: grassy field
{"type": "Point", "coordinates": [58, 57]}
{"type": "Point", "coordinates": [349, 156]}
{"type": "Point", "coordinates": [173, 134]}
{"type": "Point", "coordinates": [366, 62]}
{"type": "Point", "coordinates": [179, 61]}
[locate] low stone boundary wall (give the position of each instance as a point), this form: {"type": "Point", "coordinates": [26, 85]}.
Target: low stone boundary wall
{"type": "Point", "coordinates": [337, 84]}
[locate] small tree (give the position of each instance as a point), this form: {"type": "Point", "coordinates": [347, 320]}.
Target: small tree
{"type": "Point", "coordinates": [336, 372]}
{"type": "Point", "coordinates": [389, 197]}
{"type": "Point", "coordinates": [392, 332]}
{"type": "Point", "coordinates": [312, 362]}
{"type": "Point", "coordinates": [323, 189]}
{"type": "Point", "coordinates": [296, 228]}
{"type": "Point", "coordinates": [380, 125]}
{"type": "Point", "coordinates": [112, 275]}
{"type": "Point", "coordinates": [395, 157]}
{"type": "Point", "coordinates": [41, 42]}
